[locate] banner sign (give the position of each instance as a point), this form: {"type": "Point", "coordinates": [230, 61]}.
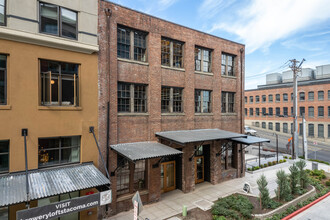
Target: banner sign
{"type": "Point", "coordinates": [59, 209]}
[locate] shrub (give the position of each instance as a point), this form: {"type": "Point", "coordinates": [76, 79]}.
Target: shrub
{"type": "Point", "coordinates": [327, 183]}
{"type": "Point", "coordinates": [249, 169]}
{"type": "Point", "coordinates": [265, 165]}
{"type": "Point", "coordinates": [304, 180]}
{"type": "Point", "coordinates": [256, 168]}
{"type": "Point", "coordinates": [281, 161]}
{"type": "Point", "coordinates": [283, 191]}
{"type": "Point", "coordinates": [285, 157]}
{"type": "Point", "coordinates": [274, 162]}
{"type": "Point", "coordinates": [290, 158]}
{"type": "Point", "coordinates": [264, 192]}
{"type": "Point", "coordinates": [270, 163]}
{"type": "Point", "coordinates": [284, 160]}
{"type": "Point", "coordinates": [261, 166]}
{"type": "Point", "coordinates": [294, 178]}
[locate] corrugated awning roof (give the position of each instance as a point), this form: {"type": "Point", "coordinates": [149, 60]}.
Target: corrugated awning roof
{"type": "Point", "coordinates": [144, 150]}
{"type": "Point", "coordinates": [250, 140]}
{"type": "Point", "coordinates": [189, 136]}
{"type": "Point", "coordinates": [49, 182]}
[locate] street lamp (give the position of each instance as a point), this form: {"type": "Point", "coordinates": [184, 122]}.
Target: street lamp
{"type": "Point", "coordinates": [274, 134]}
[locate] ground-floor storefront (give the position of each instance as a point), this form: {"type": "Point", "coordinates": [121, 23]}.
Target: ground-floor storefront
{"type": "Point", "coordinates": [179, 160]}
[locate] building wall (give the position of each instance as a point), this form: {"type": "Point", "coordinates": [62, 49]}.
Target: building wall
{"type": "Point", "coordinates": [135, 127]}
{"type": "Point", "coordinates": [316, 120]}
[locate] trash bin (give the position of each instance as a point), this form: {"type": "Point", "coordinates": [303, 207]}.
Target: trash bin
{"type": "Point", "coordinates": [315, 166]}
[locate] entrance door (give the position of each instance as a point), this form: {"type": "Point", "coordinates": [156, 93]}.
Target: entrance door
{"type": "Point", "coordinates": [167, 175]}
{"type": "Point", "coordinates": [199, 169]}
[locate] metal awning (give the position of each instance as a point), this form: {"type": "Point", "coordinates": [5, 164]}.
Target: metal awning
{"type": "Point", "coordinates": [250, 140]}
{"type": "Point", "coordinates": [190, 136]}
{"type": "Point", "coordinates": [144, 150]}
{"type": "Point", "coordinates": [49, 182]}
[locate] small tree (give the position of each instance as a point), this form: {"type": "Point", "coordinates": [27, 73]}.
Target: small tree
{"type": "Point", "coordinates": [264, 193]}
{"type": "Point", "coordinates": [304, 180]}
{"type": "Point", "coordinates": [294, 178]}
{"type": "Point", "coordinates": [283, 191]}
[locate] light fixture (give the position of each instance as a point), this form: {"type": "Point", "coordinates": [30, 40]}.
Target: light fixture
{"type": "Point", "coordinates": [52, 82]}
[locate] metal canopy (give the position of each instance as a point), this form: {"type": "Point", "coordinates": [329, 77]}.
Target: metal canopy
{"type": "Point", "coordinates": [250, 140]}
{"type": "Point", "coordinates": [49, 182]}
{"type": "Point", "coordinates": [144, 150]}
{"type": "Point", "coordinates": [190, 136]}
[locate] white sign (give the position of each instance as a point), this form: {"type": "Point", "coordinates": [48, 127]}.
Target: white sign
{"type": "Point", "coordinates": [106, 197]}
{"type": "Point", "coordinates": [136, 207]}
{"type": "Point", "coordinates": [247, 187]}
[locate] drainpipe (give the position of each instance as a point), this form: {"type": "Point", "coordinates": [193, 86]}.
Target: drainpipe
{"type": "Point", "coordinates": [25, 133]}
{"type": "Point", "coordinates": [242, 103]}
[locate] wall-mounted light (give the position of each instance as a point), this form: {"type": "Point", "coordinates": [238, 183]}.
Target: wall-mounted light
{"type": "Point", "coordinates": [52, 82]}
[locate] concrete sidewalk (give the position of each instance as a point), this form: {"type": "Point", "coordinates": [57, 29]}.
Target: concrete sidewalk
{"type": "Point", "coordinates": [171, 203]}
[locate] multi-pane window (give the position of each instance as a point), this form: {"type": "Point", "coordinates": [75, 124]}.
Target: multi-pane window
{"type": "Point", "coordinates": [270, 111]}
{"type": "Point", "coordinates": [291, 96]}
{"type": "Point", "coordinates": [301, 111]}
{"type": "Point", "coordinates": [257, 99]}
{"type": "Point", "coordinates": [320, 132]}
{"type": "Point", "coordinates": [171, 53]}
{"type": "Point", "coordinates": [172, 99]}
{"type": "Point", "coordinates": [320, 95]}
{"type": "Point", "coordinates": [263, 125]}
{"type": "Point", "coordinates": [263, 98]}
{"type": "Point", "coordinates": [328, 111]}
{"type": "Point", "coordinates": [291, 110]}
{"type": "Point", "coordinates": [245, 99]}
{"type": "Point", "coordinates": [203, 59]}
{"type": "Point", "coordinates": [228, 102]}
{"type": "Point", "coordinates": [277, 126]}
{"type": "Point", "coordinates": [127, 183]}
{"type": "Point", "coordinates": [270, 125]}
{"type": "Point", "coordinates": [329, 131]}
{"type": "Point", "coordinates": [227, 64]}
{"type": "Point", "coordinates": [257, 124]}
{"type": "Point", "coordinates": [278, 111]}
{"type": "Point", "coordinates": [301, 96]}
{"type": "Point", "coordinates": [270, 98]}
{"type": "Point", "coordinates": [310, 96]}
{"type": "Point", "coordinates": [58, 21]}
{"type": "Point", "coordinates": [245, 111]}
{"type": "Point", "coordinates": [2, 12]}
{"type": "Point", "coordinates": [310, 130]}
{"type": "Point", "coordinates": [328, 94]}
{"type": "Point", "coordinates": [251, 111]}
{"type": "Point", "coordinates": [3, 79]}
{"type": "Point", "coordinates": [132, 97]}
{"type": "Point", "coordinates": [285, 111]}
{"type": "Point", "coordinates": [59, 150]}
{"type": "Point", "coordinates": [285, 127]}
{"type": "Point", "coordinates": [251, 99]}
{"type": "Point", "coordinates": [300, 129]}
{"type": "Point", "coordinates": [320, 111]}
{"type": "Point", "coordinates": [277, 97]}
{"type": "Point", "coordinates": [285, 97]}
{"type": "Point", "coordinates": [4, 156]}
{"type": "Point", "coordinates": [59, 83]}
{"type": "Point", "coordinates": [263, 111]}
{"type": "Point", "coordinates": [130, 42]}
{"type": "Point", "coordinates": [203, 101]}
{"type": "Point", "coordinates": [257, 111]}
{"type": "Point", "coordinates": [310, 111]}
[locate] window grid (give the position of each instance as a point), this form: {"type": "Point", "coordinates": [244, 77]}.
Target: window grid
{"type": "Point", "coordinates": [285, 127]}
{"type": "Point", "coordinates": [177, 100]}
{"type": "Point", "coordinates": [285, 111]}
{"type": "Point", "coordinates": [227, 64]}
{"type": "Point", "coordinates": [166, 99]}
{"type": "Point", "coordinates": [140, 98]}
{"type": "Point", "coordinates": [177, 55]}
{"type": "Point", "coordinates": [320, 111]}
{"type": "Point", "coordinates": [4, 156]}
{"type": "Point", "coordinates": [257, 99]}
{"type": "Point", "coordinates": [270, 125]}
{"type": "Point", "coordinates": [132, 98]}
{"type": "Point", "coordinates": [320, 132]}
{"type": "Point", "coordinates": [166, 52]}
{"type": "Point", "coordinates": [140, 46]}
{"type": "Point", "coordinates": [310, 111]}
{"type": "Point", "coordinates": [251, 111]}
{"type": "Point", "coordinates": [202, 101]}
{"type": "Point", "coordinates": [277, 127]}
{"type": "Point", "coordinates": [263, 124]}
{"type": "Point", "coordinates": [257, 111]}
{"type": "Point", "coordinates": [122, 175]}
{"type": "Point", "coordinates": [228, 102]}
{"type": "Point", "coordinates": [320, 95]}
{"type": "Point", "coordinates": [285, 97]}
{"type": "Point", "coordinates": [270, 98]}
{"type": "Point", "coordinates": [124, 96]}
{"type": "Point", "coordinates": [278, 97]}
{"type": "Point", "coordinates": [301, 96]}
{"type": "Point", "coordinates": [123, 43]}
{"type": "Point", "coordinates": [263, 98]}
{"type": "Point", "coordinates": [310, 96]}
{"type": "Point", "coordinates": [3, 12]}
{"type": "Point", "coordinates": [278, 111]}
{"type": "Point", "coordinates": [310, 130]}
{"type": "Point", "coordinates": [3, 79]}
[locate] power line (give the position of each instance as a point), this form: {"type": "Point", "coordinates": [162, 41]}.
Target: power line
{"type": "Point", "coordinates": [270, 71]}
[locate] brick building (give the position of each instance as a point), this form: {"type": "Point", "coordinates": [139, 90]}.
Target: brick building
{"type": "Point", "coordinates": [270, 106]}
{"type": "Point", "coordinates": [176, 90]}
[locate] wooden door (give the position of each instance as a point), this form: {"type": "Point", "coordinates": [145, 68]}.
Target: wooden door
{"type": "Point", "coordinates": [199, 169]}
{"type": "Point", "coordinates": [167, 175]}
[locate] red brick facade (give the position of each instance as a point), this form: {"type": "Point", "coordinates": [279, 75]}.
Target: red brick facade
{"type": "Point", "coordinates": [135, 127]}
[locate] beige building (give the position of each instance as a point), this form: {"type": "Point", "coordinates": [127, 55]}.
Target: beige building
{"type": "Point", "coordinates": [49, 86]}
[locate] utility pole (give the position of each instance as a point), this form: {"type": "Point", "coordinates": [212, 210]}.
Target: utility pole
{"type": "Point", "coordinates": [295, 70]}
{"type": "Point", "coordinates": [305, 148]}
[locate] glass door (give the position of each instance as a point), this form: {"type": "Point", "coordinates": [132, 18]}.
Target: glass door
{"type": "Point", "coordinates": [199, 169]}
{"type": "Point", "coordinates": [167, 175]}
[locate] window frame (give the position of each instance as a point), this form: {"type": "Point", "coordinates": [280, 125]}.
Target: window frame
{"type": "Point", "coordinates": [285, 127]}
{"type": "Point", "coordinates": [277, 111]}
{"type": "Point", "coordinates": [318, 111]}
{"type": "Point", "coordinates": [226, 55]}
{"type": "Point", "coordinates": [172, 100]}
{"type": "Point", "coordinates": [285, 111]}
{"type": "Point", "coordinates": [277, 97]}
{"type": "Point", "coordinates": [201, 101]}
{"type": "Point", "coordinates": [310, 98]}
{"type": "Point", "coordinates": [270, 125]}
{"type": "Point", "coordinates": [132, 98]}
{"type": "Point", "coordinates": [277, 126]}
{"type": "Point", "coordinates": [4, 23]}
{"type": "Point", "coordinates": [59, 21]}
{"type": "Point", "coordinates": [318, 95]}
{"type": "Point", "coordinates": [263, 98]}
{"type": "Point", "coordinates": [263, 125]}
{"type": "Point", "coordinates": [257, 98]}
{"type": "Point", "coordinates": [6, 153]}
{"type": "Point", "coordinates": [5, 80]}
{"type": "Point", "coordinates": [202, 50]}
{"type": "Point", "coordinates": [302, 96]}
{"type": "Point", "coordinates": [225, 104]}
{"type": "Point", "coordinates": [257, 112]}
{"type": "Point", "coordinates": [60, 149]}
{"type": "Point", "coordinates": [285, 97]}
{"type": "Point", "coordinates": [171, 53]}
{"type": "Point", "coordinates": [270, 98]}
{"type": "Point", "coordinates": [320, 134]}
{"type": "Point", "coordinates": [311, 110]}
{"type": "Point", "coordinates": [311, 128]}
{"type": "Point", "coordinates": [251, 112]}
{"type": "Point", "coordinates": [76, 80]}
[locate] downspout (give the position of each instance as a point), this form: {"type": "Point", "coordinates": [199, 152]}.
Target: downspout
{"type": "Point", "coordinates": [242, 103]}
{"type": "Point", "coordinates": [25, 133]}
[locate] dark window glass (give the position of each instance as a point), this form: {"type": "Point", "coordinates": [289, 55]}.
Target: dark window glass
{"type": "Point", "coordinates": [320, 111]}
{"type": "Point", "coordinates": [277, 127]}
{"type": "Point", "coordinates": [320, 130]}
{"type": "Point", "coordinates": [328, 111]}
{"type": "Point", "coordinates": [251, 111]}
{"type": "Point", "coordinates": [124, 96]}
{"type": "Point", "coordinates": [311, 111]}
{"type": "Point", "coordinates": [263, 98]}
{"type": "Point", "coordinates": [202, 101]}
{"type": "Point", "coordinates": [270, 125]}
{"type": "Point", "coordinates": [257, 111]}
{"type": "Point", "coordinates": [231, 101]}
{"type": "Point", "coordinates": [3, 80]}
{"type": "Point", "coordinates": [69, 23]}
{"type": "Point", "coordinates": [245, 99]}
{"type": "Point", "coordinates": [2, 12]}
{"type": "Point", "coordinates": [140, 98]}
{"type": "Point", "coordinates": [198, 99]}
{"type": "Point", "coordinates": [166, 98]}
{"type": "Point", "coordinates": [270, 111]}
{"type": "Point", "coordinates": [278, 111]}
{"type": "Point", "coordinates": [285, 97]}
{"type": "Point", "coordinates": [140, 46]}
{"type": "Point", "coordinates": [257, 99]}
{"type": "Point", "coordinates": [263, 111]}
{"type": "Point", "coordinates": [123, 43]}
{"type": "Point", "coordinates": [285, 127]}
{"type": "Point", "coordinates": [177, 55]}
{"type": "Point", "coordinates": [123, 175]}
{"type": "Point", "coordinates": [263, 124]}
{"type": "Point", "coordinates": [227, 102]}
{"type": "Point", "coordinates": [291, 96]}
{"type": "Point", "coordinates": [177, 100]}
{"type": "Point", "coordinates": [328, 131]}
{"type": "Point", "coordinates": [328, 94]}
{"type": "Point", "coordinates": [270, 98]}
{"type": "Point", "coordinates": [206, 101]}
{"type": "Point", "coordinates": [4, 156]}
{"type": "Point", "coordinates": [166, 52]}
{"type": "Point", "coordinates": [302, 96]}
{"type": "Point", "coordinates": [251, 99]}
{"type": "Point", "coordinates": [172, 100]}
{"type": "Point", "coordinates": [301, 111]}
{"type": "Point", "coordinates": [321, 95]}
{"type": "Point", "coordinates": [58, 21]}
{"type": "Point", "coordinates": [278, 97]}
{"type": "Point", "coordinates": [59, 83]}
{"type": "Point", "coordinates": [311, 96]}
{"type": "Point", "coordinates": [285, 111]}
{"type": "Point", "coordinates": [257, 124]}
{"type": "Point", "coordinates": [245, 110]}
{"type": "Point", "coordinates": [311, 130]}
{"type": "Point", "coordinates": [55, 151]}
{"type": "Point", "coordinates": [300, 129]}
{"type": "Point", "coordinates": [227, 64]}
{"type": "Point", "coordinates": [132, 97]}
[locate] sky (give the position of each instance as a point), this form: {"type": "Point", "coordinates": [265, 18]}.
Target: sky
{"type": "Point", "coordinates": [273, 31]}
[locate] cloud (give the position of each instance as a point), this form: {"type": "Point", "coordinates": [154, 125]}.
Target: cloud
{"type": "Point", "coordinates": [261, 23]}
{"type": "Point", "coordinates": [156, 6]}
{"type": "Point", "coordinates": [210, 8]}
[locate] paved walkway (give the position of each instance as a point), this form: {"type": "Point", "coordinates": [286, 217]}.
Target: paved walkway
{"type": "Point", "coordinates": [171, 203]}
{"type": "Point", "coordinates": [319, 211]}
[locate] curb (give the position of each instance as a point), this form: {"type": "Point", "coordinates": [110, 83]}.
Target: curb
{"type": "Point", "coordinates": [305, 207]}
